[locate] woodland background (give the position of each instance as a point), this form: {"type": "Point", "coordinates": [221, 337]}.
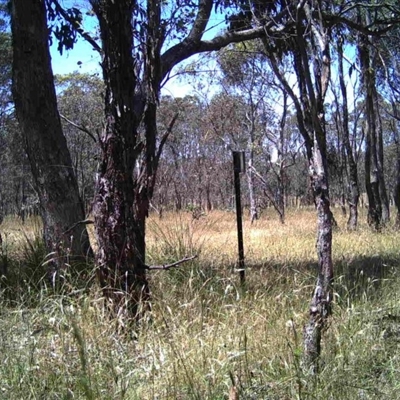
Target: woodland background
{"type": "Point", "coordinates": [107, 187]}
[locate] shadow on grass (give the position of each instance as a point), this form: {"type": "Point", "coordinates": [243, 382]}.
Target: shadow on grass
{"type": "Point", "coordinates": [353, 278]}
{"type": "Point", "coordinates": [364, 275]}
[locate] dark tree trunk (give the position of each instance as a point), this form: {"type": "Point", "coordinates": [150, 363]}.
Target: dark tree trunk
{"type": "Point", "coordinates": [311, 122]}
{"type": "Point", "coordinates": [371, 159]}
{"type": "Point", "coordinates": [282, 178]}
{"type": "Point", "coordinates": [36, 108]}
{"type": "Point", "coordinates": [119, 211]}
{"type": "Point", "coordinates": [353, 191]}
{"type": "Point", "coordinates": [397, 187]}
{"type": "Point", "coordinates": [382, 185]}
{"type": "Point", "coordinates": [250, 174]}
{"type": "Point", "coordinates": [396, 138]}
{"type": "Point", "coordinates": [250, 181]}
{"type": "Point", "coordinates": [373, 173]}
{"type": "Point", "coordinates": [311, 117]}
{"type": "Point", "coordinates": [320, 306]}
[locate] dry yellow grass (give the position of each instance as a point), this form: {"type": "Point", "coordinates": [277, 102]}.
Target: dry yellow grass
{"type": "Point", "coordinates": [203, 327]}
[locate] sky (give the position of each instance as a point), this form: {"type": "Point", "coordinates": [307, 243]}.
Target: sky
{"type": "Point", "coordinates": [84, 59]}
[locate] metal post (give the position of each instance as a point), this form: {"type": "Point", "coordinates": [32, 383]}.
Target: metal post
{"type": "Point", "coordinates": [238, 166]}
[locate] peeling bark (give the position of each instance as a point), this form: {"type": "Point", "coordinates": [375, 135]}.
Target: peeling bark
{"type": "Point", "coordinates": [130, 157]}
{"type": "Point", "coordinates": [312, 64]}
{"type": "Point", "coordinates": [118, 212]}
{"type": "Point", "coordinates": [321, 301]}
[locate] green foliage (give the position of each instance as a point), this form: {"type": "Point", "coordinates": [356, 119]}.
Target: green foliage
{"type": "Point", "coordinates": [5, 68]}
{"type": "Point", "coordinates": [62, 29]}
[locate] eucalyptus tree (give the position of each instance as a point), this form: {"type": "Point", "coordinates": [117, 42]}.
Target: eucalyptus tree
{"type": "Point", "coordinates": [243, 75]}
{"type": "Point", "coordinates": [311, 57]}
{"type": "Point", "coordinates": [388, 79]}
{"type": "Point", "coordinates": [226, 120]}
{"type": "Point", "coordinates": [195, 171]}
{"type": "Point", "coordinates": [353, 192]}
{"type": "Point", "coordinates": [5, 89]}
{"type": "Point", "coordinates": [80, 104]}
{"type": "Point", "coordinates": [36, 109]}
{"type": "Point", "coordinates": [271, 146]}
{"type": "Point", "coordinates": [141, 42]}
{"type": "Point", "coordinates": [378, 204]}
{"type": "Point", "coordinates": [304, 41]}
{"type": "Point", "coordinates": [184, 157]}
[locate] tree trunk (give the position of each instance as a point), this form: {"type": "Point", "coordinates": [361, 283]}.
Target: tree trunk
{"type": "Point", "coordinates": [353, 191]}
{"type": "Point", "coordinates": [396, 194]}
{"type": "Point", "coordinates": [250, 173]}
{"type": "Point", "coordinates": [119, 212]}
{"type": "Point", "coordinates": [320, 306]}
{"type": "Point", "coordinates": [250, 181]}
{"type": "Point", "coordinates": [321, 301]}
{"type": "Point", "coordinates": [380, 150]}
{"type": "Point", "coordinates": [36, 108]}
{"type": "Point", "coordinates": [282, 178]}
{"type": "Point", "coordinates": [310, 116]}
{"type": "Point", "coordinates": [372, 164]}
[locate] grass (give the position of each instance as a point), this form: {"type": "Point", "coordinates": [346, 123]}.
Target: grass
{"type": "Point", "coordinates": [204, 328]}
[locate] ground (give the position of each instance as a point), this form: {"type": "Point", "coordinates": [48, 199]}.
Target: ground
{"type": "Point", "coordinates": [203, 327]}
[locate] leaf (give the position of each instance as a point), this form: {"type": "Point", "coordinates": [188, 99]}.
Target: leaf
{"type": "Point", "coordinates": [351, 70]}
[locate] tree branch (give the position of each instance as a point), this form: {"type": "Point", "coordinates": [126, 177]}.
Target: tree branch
{"type": "Point", "coordinates": [166, 267]}
{"type": "Point", "coordinates": [81, 128]}
{"type": "Point", "coordinates": [84, 222]}
{"type": "Point", "coordinates": [201, 21]}
{"type": "Point", "coordinates": [77, 26]}
{"type": "Point", "coordinates": [193, 44]}
{"type": "Point", "coordinates": [299, 110]}
{"type": "Point", "coordinates": [267, 191]}
{"type": "Point", "coordinates": [188, 48]}
{"type": "Point", "coordinates": [165, 137]}
{"type": "Point", "coordinates": [366, 30]}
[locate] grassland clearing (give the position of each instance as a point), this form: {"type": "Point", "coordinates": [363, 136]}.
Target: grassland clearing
{"type": "Point", "coordinates": [203, 327]}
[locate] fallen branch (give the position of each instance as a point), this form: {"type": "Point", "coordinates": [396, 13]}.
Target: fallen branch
{"type": "Point", "coordinates": [166, 267]}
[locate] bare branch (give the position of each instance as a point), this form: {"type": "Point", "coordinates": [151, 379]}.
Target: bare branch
{"type": "Point", "coordinates": [393, 115]}
{"type": "Point", "coordinates": [202, 18]}
{"type": "Point", "coordinates": [187, 48]}
{"type": "Point", "coordinates": [352, 63]}
{"type": "Point", "coordinates": [366, 30]}
{"type": "Point", "coordinates": [267, 191]}
{"type": "Point", "coordinates": [84, 222]}
{"type": "Point", "coordinates": [81, 128]}
{"type": "Point", "coordinates": [194, 45]}
{"type": "Point", "coordinates": [299, 110]}
{"type": "Point", "coordinates": [166, 267]}
{"type": "Point", "coordinates": [165, 136]}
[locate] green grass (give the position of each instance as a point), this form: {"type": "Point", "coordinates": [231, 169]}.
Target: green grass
{"type": "Point", "coordinates": [203, 327]}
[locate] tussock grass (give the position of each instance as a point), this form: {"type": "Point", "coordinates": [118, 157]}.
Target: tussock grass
{"type": "Point", "coordinates": [204, 327]}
